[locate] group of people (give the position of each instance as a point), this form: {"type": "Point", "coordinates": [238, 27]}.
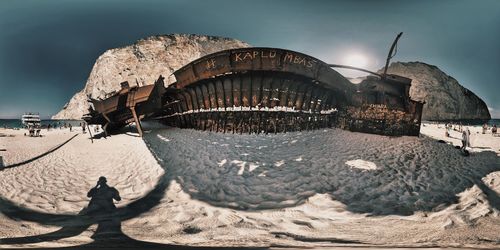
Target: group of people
{"type": "Point", "coordinates": [466, 141]}
{"type": "Point", "coordinates": [456, 127]}
{"type": "Point", "coordinates": [84, 128]}
{"type": "Point", "coordinates": [61, 126]}
{"type": "Point", "coordinates": [465, 133]}
{"type": "Point", "coordinates": [67, 125]}
{"type": "Point", "coordinates": [493, 129]}
{"type": "Point", "coordinates": [34, 131]}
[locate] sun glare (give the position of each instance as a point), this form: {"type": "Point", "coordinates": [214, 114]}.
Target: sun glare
{"type": "Point", "coordinates": [356, 60]}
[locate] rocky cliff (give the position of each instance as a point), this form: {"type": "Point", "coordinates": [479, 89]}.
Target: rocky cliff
{"type": "Point", "coordinates": [141, 64]}
{"type": "Point", "coordinates": [445, 98]}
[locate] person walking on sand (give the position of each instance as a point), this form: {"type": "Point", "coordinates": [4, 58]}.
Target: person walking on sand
{"type": "Point", "coordinates": [468, 137]}
{"type": "Point", "coordinates": [465, 138]}
{"type": "Point", "coordinates": [83, 127]}
{"type": "Point", "coordinates": [494, 130]}
{"type": "Point", "coordinates": [70, 128]}
{"type": "Point", "coordinates": [447, 130]}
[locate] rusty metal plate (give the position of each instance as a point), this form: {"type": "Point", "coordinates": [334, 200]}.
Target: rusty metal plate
{"type": "Point", "coordinates": [261, 59]}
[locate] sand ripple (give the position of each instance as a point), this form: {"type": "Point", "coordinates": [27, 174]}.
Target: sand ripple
{"type": "Point", "coordinates": [275, 171]}
{"type": "Point", "coordinates": [59, 181]}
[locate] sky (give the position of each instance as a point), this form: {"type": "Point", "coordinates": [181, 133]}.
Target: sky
{"type": "Point", "coordinates": [48, 47]}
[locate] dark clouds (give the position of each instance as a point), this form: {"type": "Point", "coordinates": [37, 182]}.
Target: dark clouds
{"type": "Point", "coordinates": [47, 48]}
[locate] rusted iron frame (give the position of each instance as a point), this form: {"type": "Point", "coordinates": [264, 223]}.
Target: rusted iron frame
{"type": "Point", "coordinates": [389, 56]}
{"type": "Point", "coordinates": [232, 91]}
{"type": "Point", "coordinates": [105, 127]}
{"type": "Point", "coordinates": [354, 68]}
{"type": "Point", "coordinates": [300, 98]}
{"type": "Point", "coordinates": [181, 108]}
{"type": "Point", "coordinates": [185, 73]}
{"type": "Point", "coordinates": [284, 93]}
{"type": "Point", "coordinates": [90, 132]}
{"type": "Point", "coordinates": [315, 102]}
{"type": "Point", "coordinates": [206, 96]}
{"type": "Point", "coordinates": [250, 92]}
{"type": "Point", "coordinates": [307, 98]}
{"type": "Point", "coordinates": [216, 96]}
{"type": "Point", "coordinates": [136, 119]}
{"type": "Point", "coordinates": [265, 78]}
{"type": "Point", "coordinates": [275, 92]}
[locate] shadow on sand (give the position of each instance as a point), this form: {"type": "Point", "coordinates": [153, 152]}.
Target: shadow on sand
{"type": "Point", "coordinates": [101, 211]}
{"type": "Point", "coordinates": [413, 174]}
{"type": "Point", "coordinates": [39, 156]}
{"type": "Point", "coordinates": [377, 192]}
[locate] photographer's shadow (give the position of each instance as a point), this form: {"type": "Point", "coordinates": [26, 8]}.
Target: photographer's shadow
{"type": "Point", "coordinates": [101, 211]}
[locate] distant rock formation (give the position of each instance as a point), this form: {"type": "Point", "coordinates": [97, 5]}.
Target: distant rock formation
{"type": "Point", "coordinates": [445, 98]}
{"type": "Point", "coordinates": [141, 64]}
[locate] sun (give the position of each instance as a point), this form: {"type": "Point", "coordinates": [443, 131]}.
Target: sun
{"type": "Point", "coordinates": [356, 60]}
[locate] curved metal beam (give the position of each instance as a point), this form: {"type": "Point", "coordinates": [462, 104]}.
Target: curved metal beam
{"type": "Point", "coordinates": [354, 68]}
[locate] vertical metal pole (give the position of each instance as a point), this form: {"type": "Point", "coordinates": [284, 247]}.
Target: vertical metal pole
{"type": "Point", "coordinates": [136, 119]}
{"type": "Point", "coordinates": [90, 133]}
{"type": "Point", "coordinates": [106, 125]}
{"type": "Point", "coordinates": [390, 55]}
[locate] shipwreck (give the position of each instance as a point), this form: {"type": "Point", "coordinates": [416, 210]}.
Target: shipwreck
{"type": "Point", "coordinates": [266, 90]}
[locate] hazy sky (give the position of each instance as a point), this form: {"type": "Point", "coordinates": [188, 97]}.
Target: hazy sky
{"type": "Point", "coordinates": [47, 48]}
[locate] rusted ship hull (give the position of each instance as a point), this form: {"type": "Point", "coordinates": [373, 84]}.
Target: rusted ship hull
{"type": "Point", "coordinates": [262, 90]}
{"type": "Point", "coordinates": [131, 104]}
{"type": "Point", "coordinates": [266, 90]}
{"type": "Point", "coordinates": [255, 102]}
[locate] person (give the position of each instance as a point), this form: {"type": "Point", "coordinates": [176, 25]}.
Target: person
{"type": "Point", "coordinates": [468, 137]}
{"type": "Point", "coordinates": [465, 139]}
{"type": "Point", "coordinates": [38, 129]}
{"type": "Point", "coordinates": [485, 128]}
{"type": "Point", "coordinates": [70, 128]}
{"type": "Point", "coordinates": [83, 127]}
{"type": "Point", "coordinates": [447, 128]}
{"type": "Point", "coordinates": [102, 197]}
{"type": "Point", "coordinates": [494, 130]}
{"type": "Point", "coordinates": [31, 130]}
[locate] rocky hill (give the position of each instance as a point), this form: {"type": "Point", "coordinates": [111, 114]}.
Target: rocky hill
{"type": "Point", "coordinates": [141, 64]}
{"type": "Point", "coordinates": [445, 98]}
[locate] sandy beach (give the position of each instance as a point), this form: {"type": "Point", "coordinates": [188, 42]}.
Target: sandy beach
{"type": "Point", "coordinates": [327, 187]}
